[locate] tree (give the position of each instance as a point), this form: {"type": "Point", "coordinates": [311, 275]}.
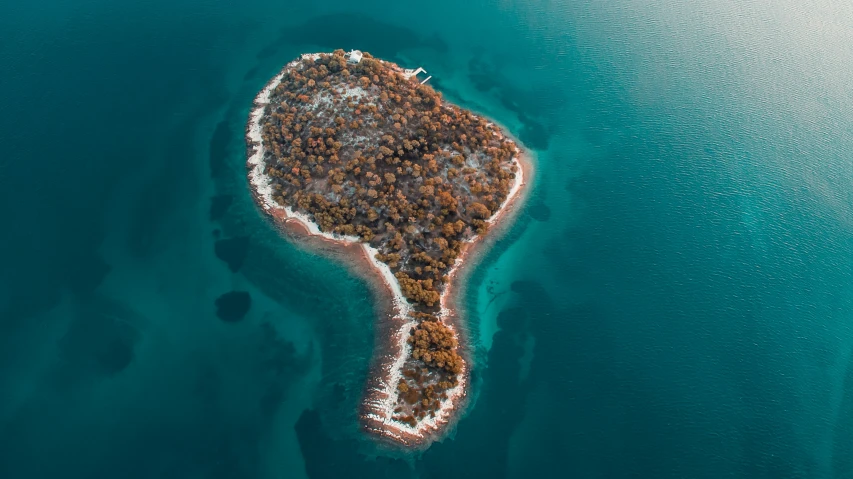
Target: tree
{"type": "Point", "coordinates": [479, 210]}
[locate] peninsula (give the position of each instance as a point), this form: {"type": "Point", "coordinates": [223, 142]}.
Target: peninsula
{"type": "Point", "coordinates": [349, 152]}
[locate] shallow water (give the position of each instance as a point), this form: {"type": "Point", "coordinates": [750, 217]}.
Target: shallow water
{"type": "Point", "coordinates": [675, 300]}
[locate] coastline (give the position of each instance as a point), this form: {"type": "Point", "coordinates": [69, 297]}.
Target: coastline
{"type": "Point", "coordinates": [377, 409]}
{"type": "Point", "coordinates": [500, 222]}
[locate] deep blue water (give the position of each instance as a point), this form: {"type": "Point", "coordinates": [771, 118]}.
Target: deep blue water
{"type": "Point", "coordinates": [676, 300]}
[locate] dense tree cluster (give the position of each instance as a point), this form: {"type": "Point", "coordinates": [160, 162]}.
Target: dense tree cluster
{"type": "Point", "coordinates": [367, 152]}
{"type": "Point", "coordinates": [435, 344]}
{"type": "Point", "coordinates": [419, 399]}
{"type": "Point", "coordinates": [432, 369]}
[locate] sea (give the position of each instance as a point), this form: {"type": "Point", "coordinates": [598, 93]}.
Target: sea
{"type": "Point", "coordinates": [674, 301]}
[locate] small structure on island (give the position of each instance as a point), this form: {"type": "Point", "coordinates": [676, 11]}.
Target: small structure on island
{"type": "Point", "coordinates": [409, 73]}
{"type": "Point", "coordinates": [354, 56]}
{"type": "Point", "coordinates": [426, 80]}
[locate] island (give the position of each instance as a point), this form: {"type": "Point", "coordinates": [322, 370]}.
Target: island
{"type": "Point", "coordinates": [351, 153]}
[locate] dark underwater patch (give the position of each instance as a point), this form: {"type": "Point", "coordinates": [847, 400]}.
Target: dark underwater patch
{"type": "Point", "coordinates": [269, 50]}
{"type": "Point", "coordinates": [219, 204]}
{"type": "Point", "coordinates": [327, 457]}
{"type": "Point", "coordinates": [533, 292]}
{"type": "Point", "coordinates": [512, 319]}
{"type": "Point", "coordinates": [339, 393]}
{"type": "Point", "coordinates": [533, 133]}
{"type": "Point", "coordinates": [539, 211]}
{"type": "Point", "coordinates": [272, 398]}
{"type": "Point", "coordinates": [28, 298]}
{"type": "Point", "coordinates": [219, 144]}
{"type": "Point", "coordinates": [251, 73]}
{"type": "Point", "coordinates": [487, 78]}
{"type": "Point", "coordinates": [232, 251]}
{"type": "Point", "coordinates": [86, 274]}
{"type": "Point", "coordinates": [232, 307]}
{"type": "Point", "coordinates": [98, 342]}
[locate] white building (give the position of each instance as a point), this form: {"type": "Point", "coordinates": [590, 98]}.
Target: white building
{"type": "Point", "coordinates": [354, 56]}
{"type": "Point", "coordinates": [409, 73]}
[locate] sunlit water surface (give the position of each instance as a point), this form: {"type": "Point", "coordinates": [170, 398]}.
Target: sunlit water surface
{"type": "Point", "coordinates": [675, 301]}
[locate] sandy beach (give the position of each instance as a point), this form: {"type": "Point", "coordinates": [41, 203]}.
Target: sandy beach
{"type": "Point", "coordinates": [394, 324]}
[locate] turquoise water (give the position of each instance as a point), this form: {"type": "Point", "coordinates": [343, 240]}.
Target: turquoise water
{"type": "Point", "coordinates": [675, 301]}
